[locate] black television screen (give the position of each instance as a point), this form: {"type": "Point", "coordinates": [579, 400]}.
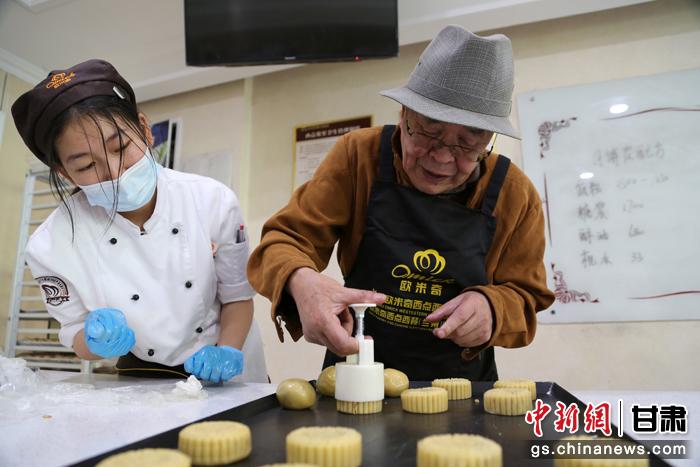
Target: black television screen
{"type": "Point", "coordinates": [253, 32]}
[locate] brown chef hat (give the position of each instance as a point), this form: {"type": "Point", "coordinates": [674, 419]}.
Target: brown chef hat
{"type": "Point", "coordinates": [35, 111]}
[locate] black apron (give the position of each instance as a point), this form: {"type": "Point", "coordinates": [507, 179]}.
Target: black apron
{"type": "Point", "coordinates": [421, 251]}
{"type": "Point", "coordinates": [131, 365]}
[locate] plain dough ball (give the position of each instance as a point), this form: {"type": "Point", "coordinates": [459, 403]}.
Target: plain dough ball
{"type": "Point", "coordinates": [395, 382]}
{"type": "Point", "coordinates": [296, 393]}
{"type": "Point", "coordinates": [326, 381]}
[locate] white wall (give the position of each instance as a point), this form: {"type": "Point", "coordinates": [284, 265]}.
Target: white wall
{"type": "Point", "coordinates": [213, 121]}
{"type": "Point", "coordinates": [644, 39]}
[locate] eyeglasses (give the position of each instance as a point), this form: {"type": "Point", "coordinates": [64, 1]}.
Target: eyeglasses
{"type": "Point", "coordinates": [457, 151]}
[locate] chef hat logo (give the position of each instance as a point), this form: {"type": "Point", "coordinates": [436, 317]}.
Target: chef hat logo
{"type": "Point", "coordinates": [429, 261]}
{"type": "Point", "coordinates": [59, 79]}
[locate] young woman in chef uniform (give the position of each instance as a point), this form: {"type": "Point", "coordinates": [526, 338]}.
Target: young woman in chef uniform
{"type": "Point", "coordinates": [141, 262]}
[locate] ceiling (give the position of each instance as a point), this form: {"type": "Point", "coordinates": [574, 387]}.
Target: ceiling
{"type": "Point", "coordinates": [145, 39]}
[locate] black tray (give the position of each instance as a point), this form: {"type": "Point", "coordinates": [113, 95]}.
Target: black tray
{"type": "Point", "coordinates": [388, 438]}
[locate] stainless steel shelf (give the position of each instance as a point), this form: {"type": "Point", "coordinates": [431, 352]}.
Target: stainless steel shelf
{"type": "Point", "coordinates": [37, 331]}
{"type": "Point", "coordinates": [42, 348]}
{"type": "Point", "coordinates": [46, 191]}
{"type": "Point", "coordinates": [32, 310]}
{"type": "Point", "coordinates": [34, 315]}
{"type": "Point", "coordinates": [32, 298]}
{"type": "Point", "coordinates": [39, 207]}
{"type": "Point", "coordinates": [37, 345]}
{"type": "Point", "coordinates": [52, 365]}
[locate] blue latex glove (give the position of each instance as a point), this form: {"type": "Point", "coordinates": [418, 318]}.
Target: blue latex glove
{"type": "Point", "coordinates": [215, 363]}
{"type": "Point", "coordinates": [107, 334]}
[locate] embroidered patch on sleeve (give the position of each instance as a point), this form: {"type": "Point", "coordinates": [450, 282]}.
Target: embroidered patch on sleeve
{"type": "Point", "coordinates": [55, 289]}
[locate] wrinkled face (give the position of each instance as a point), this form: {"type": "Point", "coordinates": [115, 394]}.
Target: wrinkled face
{"type": "Point", "coordinates": [439, 157]}
{"type": "Point", "coordinates": [92, 152]}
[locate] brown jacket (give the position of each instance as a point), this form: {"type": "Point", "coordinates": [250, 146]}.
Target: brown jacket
{"type": "Point", "coordinates": [332, 207]}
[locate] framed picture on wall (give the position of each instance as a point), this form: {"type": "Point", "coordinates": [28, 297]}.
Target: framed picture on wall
{"type": "Point", "coordinates": [313, 141]}
{"type": "Point", "coordinates": [166, 142]}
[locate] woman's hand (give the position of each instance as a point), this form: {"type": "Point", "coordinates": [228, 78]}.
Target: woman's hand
{"type": "Point", "coordinates": [107, 334]}
{"type": "Point", "coordinates": [215, 363]}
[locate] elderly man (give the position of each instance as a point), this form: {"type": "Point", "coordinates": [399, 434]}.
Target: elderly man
{"type": "Point", "coordinates": [446, 237]}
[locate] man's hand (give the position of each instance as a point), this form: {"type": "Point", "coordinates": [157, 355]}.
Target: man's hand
{"type": "Point", "coordinates": [469, 320]}
{"type": "Point", "coordinates": [323, 309]}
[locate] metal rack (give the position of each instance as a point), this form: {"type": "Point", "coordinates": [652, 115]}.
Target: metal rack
{"type": "Point", "coordinates": [31, 332]}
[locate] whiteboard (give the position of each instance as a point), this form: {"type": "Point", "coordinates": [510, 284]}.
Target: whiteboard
{"type": "Point", "coordinates": [621, 196]}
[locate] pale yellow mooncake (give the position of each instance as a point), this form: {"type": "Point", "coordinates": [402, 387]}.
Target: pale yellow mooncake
{"type": "Point", "coordinates": [507, 401]}
{"type": "Point", "coordinates": [424, 400]}
{"type": "Point", "coordinates": [215, 443]}
{"type": "Point", "coordinates": [330, 446]}
{"type": "Point", "coordinates": [518, 383]}
{"type": "Point", "coordinates": [358, 408]}
{"type": "Point", "coordinates": [157, 457]}
{"type": "Point", "coordinates": [458, 450]}
{"type": "Point", "coordinates": [457, 388]}
{"type": "Point", "coordinates": [289, 464]}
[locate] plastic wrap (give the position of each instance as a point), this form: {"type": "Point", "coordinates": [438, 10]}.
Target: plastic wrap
{"type": "Point", "coordinates": [26, 393]}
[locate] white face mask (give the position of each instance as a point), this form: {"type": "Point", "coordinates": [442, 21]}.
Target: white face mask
{"type": "Point", "coordinates": [135, 187]}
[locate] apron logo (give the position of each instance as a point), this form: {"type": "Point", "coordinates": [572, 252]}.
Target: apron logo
{"type": "Point", "coordinates": [427, 264]}
{"type": "Point", "coordinates": [429, 261]}
{"type": "Point", "coordinates": [417, 293]}
{"type": "Point", "coordinates": [55, 290]}
{"type": "Point", "coordinates": [59, 79]}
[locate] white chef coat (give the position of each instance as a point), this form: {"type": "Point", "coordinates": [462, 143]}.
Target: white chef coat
{"type": "Point", "coordinates": [169, 280]}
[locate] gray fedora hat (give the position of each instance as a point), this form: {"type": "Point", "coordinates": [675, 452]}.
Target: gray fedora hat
{"type": "Point", "coordinates": [463, 78]}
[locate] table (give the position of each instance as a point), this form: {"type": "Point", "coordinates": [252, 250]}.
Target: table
{"type": "Point", "coordinates": [69, 429]}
